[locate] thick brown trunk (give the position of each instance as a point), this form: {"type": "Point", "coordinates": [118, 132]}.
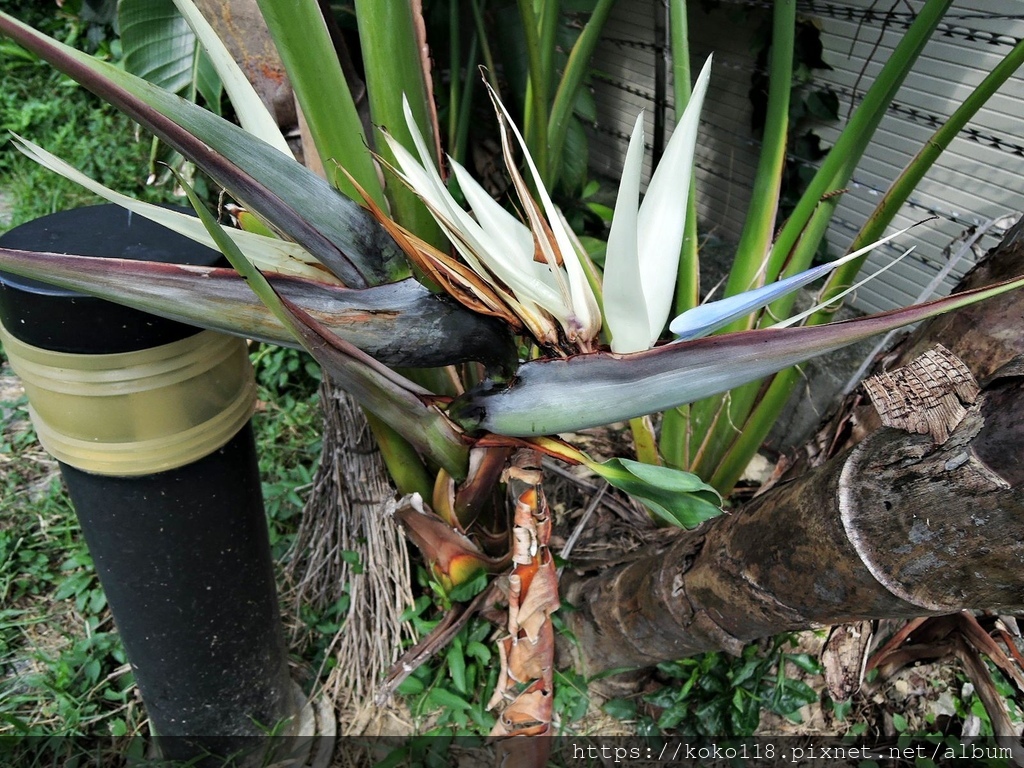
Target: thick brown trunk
{"type": "Point", "coordinates": [894, 526]}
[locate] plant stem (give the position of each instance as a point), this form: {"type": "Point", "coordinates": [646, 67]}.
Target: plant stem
{"type": "Point", "coordinates": [302, 37]}
{"type": "Point", "coordinates": [481, 34]}
{"type": "Point", "coordinates": [395, 68]}
{"type": "Point", "coordinates": [536, 121]}
{"type": "Point", "coordinates": [764, 415]}
{"type": "Point", "coordinates": [915, 170]}
{"type": "Point", "coordinates": [759, 224]}
{"type": "Point", "coordinates": [455, 70]}
{"type": "Point", "coordinates": [576, 70]}
{"type": "Point", "coordinates": [402, 462]}
{"type": "Point", "coordinates": [644, 441]}
{"type": "Point", "coordinates": [688, 277]}
{"type": "Point", "coordinates": [798, 241]}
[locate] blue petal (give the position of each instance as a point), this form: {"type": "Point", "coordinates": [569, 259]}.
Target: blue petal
{"type": "Point", "coordinates": [707, 318]}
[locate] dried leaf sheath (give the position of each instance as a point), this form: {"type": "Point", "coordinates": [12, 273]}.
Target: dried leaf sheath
{"type": "Point", "coordinates": [527, 653]}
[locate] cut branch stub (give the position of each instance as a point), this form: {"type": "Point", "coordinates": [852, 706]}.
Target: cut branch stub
{"type": "Point", "coordinates": [926, 396]}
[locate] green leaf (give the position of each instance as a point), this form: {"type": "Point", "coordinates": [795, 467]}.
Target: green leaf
{"type": "Point", "coordinates": [457, 666]}
{"type": "Point", "coordinates": [469, 589]}
{"type": "Point", "coordinates": [804, 661]}
{"type": "Point", "coordinates": [331, 227]}
{"type": "Point", "coordinates": [678, 498]}
{"type": "Point", "coordinates": [411, 686]}
{"type": "Point", "coordinates": [159, 46]}
{"type": "Point", "coordinates": [480, 652]}
{"type": "Point", "coordinates": [445, 699]}
{"type": "Point", "coordinates": [574, 157]}
{"type": "Point", "coordinates": [620, 709]}
{"type": "Point", "coordinates": [790, 695]}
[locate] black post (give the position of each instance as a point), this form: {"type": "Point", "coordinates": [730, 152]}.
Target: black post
{"type": "Point", "coordinates": [150, 421]}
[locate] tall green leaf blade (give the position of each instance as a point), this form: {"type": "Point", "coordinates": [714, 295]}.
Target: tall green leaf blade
{"type": "Point", "coordinates": [331, 227]}
{"type": "Point", "coordinates": [304, 42]}
{"type": "Point", "coordinates": [576, 70]}
{"type": "Point", "coordinates": [563, 395]}
{"type": "Point", "coordinates": [395, 64]}
{"type": "Point", "coordinates": [798, 240]}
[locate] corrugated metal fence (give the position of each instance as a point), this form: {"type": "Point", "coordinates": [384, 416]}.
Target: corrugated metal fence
{"type": "Point", "coordinates": [979, 178]}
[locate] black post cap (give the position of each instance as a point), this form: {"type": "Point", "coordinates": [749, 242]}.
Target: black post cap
{"type": "Point", "coordinates": [62, 320]}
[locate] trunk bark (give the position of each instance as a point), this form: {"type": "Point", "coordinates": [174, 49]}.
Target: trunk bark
{"type": "Point", "coordinates": [893, 527]}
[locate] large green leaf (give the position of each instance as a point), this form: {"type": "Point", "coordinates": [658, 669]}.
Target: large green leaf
{"type": "Point", "coordinates": [675, 497]}
{"type": "Point", "coordinates": [396, 65]}
{"type": "Point", "coordinates": [159, 46]}
{"type": "Point", "coordinates": [304, 42]}
{"type": "Point", "coordinates": [328, 225]}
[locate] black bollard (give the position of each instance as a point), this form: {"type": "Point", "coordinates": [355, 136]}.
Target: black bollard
{"type": "Point", "coordinates": [149, 419]}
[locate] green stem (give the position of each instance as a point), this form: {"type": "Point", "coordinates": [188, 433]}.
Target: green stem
{"type": "Point", "coordinates": [792, 249]}
{"type": "Point", "coordinates": [675, 426]}
{"type": "Point", "coordinates": [402, 462]}
{"type": "Point", "coordinates": [458, 146]}
{"type": "Point", "coordinates": [764, 415]}
{"type": "Point", "coordinates": [455, 68]}
{"type": "Point", "coordinates": [900, 190]}
{"type": "Point", "coordinates": [536, 121]}
{"type": "Point", "coordinates": [688, 277]}
{"type": "Point", "coordinates": [755, 239]}
{"type": "Point", "coordinates": [760, 221]}
{"type": "Point", "coordinates": [798, 241]}
{"type": "Point", "coordinates": [549, 13]}
{"type": "Point", "coordinates": [304, 42]}
{"type": "Point", "coordinates": [481, 34]}
{"type": "Point", "coordinates": [644, 441]}
{"type": "Point", "coordinates": [576, 70]}
{"type": "Point", "coordinates": [395, 68]}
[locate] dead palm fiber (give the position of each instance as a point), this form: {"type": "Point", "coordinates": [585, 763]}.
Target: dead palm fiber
{"type": "Point", "coordinates": [347, 543]}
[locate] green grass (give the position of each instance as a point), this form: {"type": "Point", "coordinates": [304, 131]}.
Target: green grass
{"type": "Point", "coordinates": [50, 109]}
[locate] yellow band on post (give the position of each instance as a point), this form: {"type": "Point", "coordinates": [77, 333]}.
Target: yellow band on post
{"type": "Point", "coordinates": [136, 413]}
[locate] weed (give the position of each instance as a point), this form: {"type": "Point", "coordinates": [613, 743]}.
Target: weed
{"type": "Point", "coordinates": [715, 695]}
{"type": "Point", "coordinates": [449, 696]}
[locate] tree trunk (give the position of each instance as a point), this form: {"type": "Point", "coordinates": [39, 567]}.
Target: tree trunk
{"type": "Point", "coordinates": [893, 527]}
{"type": "Point", "coordinates": [896, 527]}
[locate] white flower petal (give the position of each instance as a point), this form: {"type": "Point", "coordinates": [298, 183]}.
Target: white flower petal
{"type": "Point", "coordinates": [584, 304]}
{"type": "Point", "coordinates": [624, 299]}
{"type": "Point", "coordinates": [663, 212]}
{"type": "Point", "coordinates": [494, 219]}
